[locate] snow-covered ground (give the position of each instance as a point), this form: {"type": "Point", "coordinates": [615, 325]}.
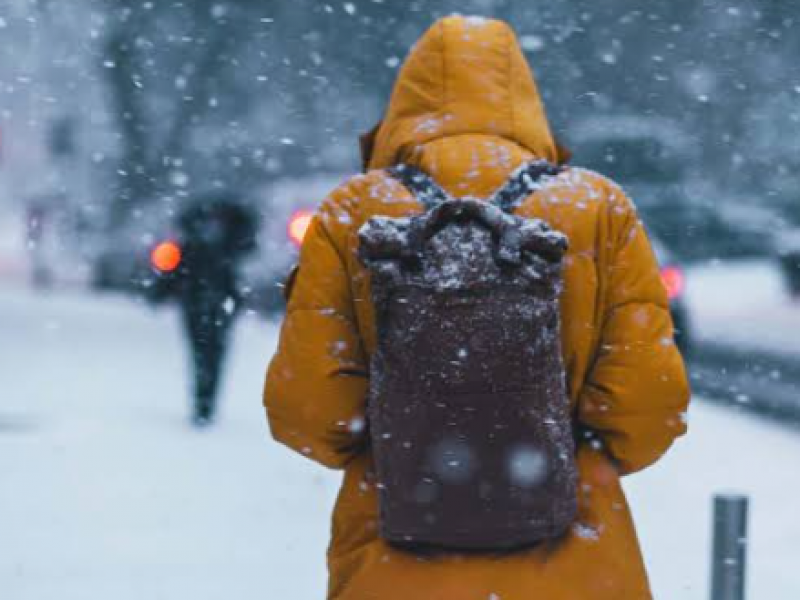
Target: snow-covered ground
{"type": "Point", "coordinates": [106, 492]}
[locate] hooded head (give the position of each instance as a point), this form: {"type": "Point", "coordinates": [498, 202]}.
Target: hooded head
{"type": "Point", "coordinates": [466, 75]}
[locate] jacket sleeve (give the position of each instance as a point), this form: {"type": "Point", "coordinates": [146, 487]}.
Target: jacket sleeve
{"type": "Point", "coordinates": [316, 384]}
{"type": "Point", "coordinates": [636, 393]}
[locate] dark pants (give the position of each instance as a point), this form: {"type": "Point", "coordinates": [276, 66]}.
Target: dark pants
{"type": "Point", "coordinates": [207, 326]}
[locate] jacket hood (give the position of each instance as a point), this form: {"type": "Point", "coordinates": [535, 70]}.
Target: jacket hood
{"type": "Point", "coordinates": [466, 75]}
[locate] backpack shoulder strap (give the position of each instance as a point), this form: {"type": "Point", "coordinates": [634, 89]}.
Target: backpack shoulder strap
{"type": "Point", "coordinates": [420, 184]}
{"type": "Point", "coordinates": [522, 184]}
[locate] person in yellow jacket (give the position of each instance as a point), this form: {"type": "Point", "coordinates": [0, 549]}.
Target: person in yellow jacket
{"type": "Point", "coordinates": [465, 109]}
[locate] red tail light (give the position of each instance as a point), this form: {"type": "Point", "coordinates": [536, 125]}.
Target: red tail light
{"type": "Point", "coordinates": [674, 281]}
{"type": "Point", "coordinates": [298, 226]}
{"type": "Point", "coordinates": [166, 256]}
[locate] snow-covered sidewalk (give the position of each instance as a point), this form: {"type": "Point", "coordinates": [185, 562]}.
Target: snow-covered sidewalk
{"type": "Point", "coordinates": [107, 493]}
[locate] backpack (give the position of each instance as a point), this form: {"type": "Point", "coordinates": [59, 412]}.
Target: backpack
{"type": "Point", "coordinates": [468, 414]}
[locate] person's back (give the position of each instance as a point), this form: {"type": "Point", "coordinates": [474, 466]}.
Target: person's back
{"type": "Point", "coordinates": [216, 231]}
{"type": "Point", "coordinates": [466, 111]}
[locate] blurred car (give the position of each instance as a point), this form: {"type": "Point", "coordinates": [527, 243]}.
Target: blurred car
{"type": "Point", "coordinates": [121, 263]}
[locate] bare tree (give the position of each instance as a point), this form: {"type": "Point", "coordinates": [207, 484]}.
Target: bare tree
{"type": "Point", "coordinates": [162, 63]}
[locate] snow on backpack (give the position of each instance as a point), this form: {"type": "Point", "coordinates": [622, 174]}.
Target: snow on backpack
{"type": "Point", "coordinates": [469, 418]}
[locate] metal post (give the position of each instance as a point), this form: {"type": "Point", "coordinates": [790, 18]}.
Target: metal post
{"type": "Point", "coordinates": [730, 547]}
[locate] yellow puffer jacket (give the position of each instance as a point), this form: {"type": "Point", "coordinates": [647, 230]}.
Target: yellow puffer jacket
{"type": "Point", "coordinates": [465, 109]}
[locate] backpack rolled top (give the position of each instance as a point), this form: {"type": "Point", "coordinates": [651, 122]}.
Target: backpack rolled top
{"type": "Point", "coordinates": [404, 238]}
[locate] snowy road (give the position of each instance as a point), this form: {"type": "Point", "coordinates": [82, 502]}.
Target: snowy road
{"type": "Point", "coordinates": [105, 492]}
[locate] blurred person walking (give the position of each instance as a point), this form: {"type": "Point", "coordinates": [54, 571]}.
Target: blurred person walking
{"type": "Point", "coordinates": [465, 114]}
{"type": "Point", "coordinates": [215, 232]}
